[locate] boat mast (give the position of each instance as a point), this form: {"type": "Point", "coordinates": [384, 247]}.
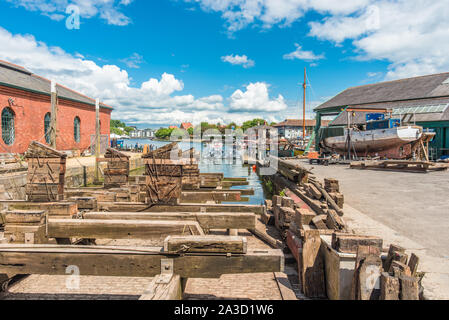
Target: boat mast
{"type": "Point", "coordinates": [304, 108]}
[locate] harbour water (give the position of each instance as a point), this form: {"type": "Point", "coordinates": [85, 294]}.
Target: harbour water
{"type": "Point", "coordinates": [230, 168]}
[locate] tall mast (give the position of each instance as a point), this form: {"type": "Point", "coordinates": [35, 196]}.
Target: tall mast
{"type": "Point", "coordinates": [304, 107]}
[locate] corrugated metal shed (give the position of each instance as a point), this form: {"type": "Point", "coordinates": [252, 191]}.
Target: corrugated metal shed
{"type": "Point", "coordinates": [425, 87]}
{"type": "Point", "coordinates": [360, 117]}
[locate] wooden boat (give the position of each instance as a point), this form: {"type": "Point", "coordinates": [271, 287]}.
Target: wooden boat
{"type": "Point", "coordinates": [390, 142]}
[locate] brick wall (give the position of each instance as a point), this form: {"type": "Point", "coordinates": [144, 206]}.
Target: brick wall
{"type": "Point", "coordinates": [30, 109]}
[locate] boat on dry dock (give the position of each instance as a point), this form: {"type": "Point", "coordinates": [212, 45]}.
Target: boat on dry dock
{"type": "Point", "coordinates": [382, 138]}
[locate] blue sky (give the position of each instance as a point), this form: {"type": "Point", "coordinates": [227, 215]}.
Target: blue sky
{"type": "Point", "coordinates": [161, 62]}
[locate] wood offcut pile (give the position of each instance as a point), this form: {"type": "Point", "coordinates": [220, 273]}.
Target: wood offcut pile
{"type": "Point", "coordinates": [44, 237]}
{"type": "Point", "coordinates": [46, 173]}
{"type": "Point", "coordinates": [399, 165]}
{"type": "Point", "coordinates": [310, 217]}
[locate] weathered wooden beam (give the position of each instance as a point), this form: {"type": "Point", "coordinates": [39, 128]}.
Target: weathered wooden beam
{"type": "Point", "coordinates": [205, 244]}
{"type": "Point", "coordinates": [60, 209]}
{"type": "Point", "coordinates": [120, 229]}
{"type": "Point", "coordinates": [161, 290]}
{"type": "Point", "coordinates": [216, 220]}
{"type": "Point", "coordinates": [218, 196]}
{"type": "Point", "coordinates": [186, 207]}
{"type": "Point", "coordinates": [244, 192]}
{"type": "Point", "coordinates": [132, 262]}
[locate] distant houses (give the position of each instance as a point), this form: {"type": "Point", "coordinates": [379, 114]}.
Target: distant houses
{"type": "Point", "coordinates": [293, 128]}
{"type": "Point", "coordinates": [186, 125]}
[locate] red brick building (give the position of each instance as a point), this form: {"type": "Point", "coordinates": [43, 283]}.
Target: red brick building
{"type": "Point", "coordinates": [25, 107]}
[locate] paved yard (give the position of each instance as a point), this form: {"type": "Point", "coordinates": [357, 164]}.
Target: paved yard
{"type": "Point", "coordinates": [415, 205]}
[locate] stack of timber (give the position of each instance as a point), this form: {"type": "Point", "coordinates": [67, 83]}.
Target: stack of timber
{"type": "Point", "coordinates": [211, 180]}
{"type": "Point", "coordinates": [117, 171]}
{"type": "Point", "coordinates": [190, 176]}
{"type": "Point", "coordinates": [400, 165]}
{"type": "Point", "coordinates": [164, 175]}
{"type": "Point", "coordinates": [46, 173]}
{"type": "Point", "coordinates": [169, 151]}
{"type": "Point", "coordinates": [292, 172]}
{"type": "Point", "coordinates": [324, 266]}
{"type": "Point", "coordinates": [394, 278]}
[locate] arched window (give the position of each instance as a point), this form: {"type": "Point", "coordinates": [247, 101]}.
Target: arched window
{"type": "Point", "coordinates": [47, 122]}
{"type": "Point", "coordinates": [8, 129]}
{"type": "Point", "coordinates": [77, 129]}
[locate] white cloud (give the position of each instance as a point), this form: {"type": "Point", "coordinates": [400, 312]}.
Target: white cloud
{"type": "Point", "coordinates": [108, 10]}
{"type": "Point", "coordinates": [240, 13]}
{"type": "Point", "coordinates": [256, 98]}
{"type": "Point", "coordinates": [239, 60]}
{"type": "Point", "coordinates": [157, 101]}
{"type": "Point", "coordinates": [133, 61]}
{"type": "Point", "coordinates": [411, 35]}
{"type": "Point", "coordinates": [301, 54]}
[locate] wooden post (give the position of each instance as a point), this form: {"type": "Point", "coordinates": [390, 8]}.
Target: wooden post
{"type": "Point", "coordinates": [304, 108]}
{"type": "Point", "coordinates": [97, 141]}
{"type": "Point", "coordinates": [54, 114]}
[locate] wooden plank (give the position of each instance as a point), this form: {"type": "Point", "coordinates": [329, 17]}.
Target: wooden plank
{"type": "Point", "coordinates": [392, 252]}
{"type": "Point", "coordinates": [348, 243]}
{"type": "Point", "coordinates": [369, 278]}
{"type": "Point", "coordinates": [187, 207]}
{"type": "Point", "coordinates": [389, 289]}
{"type": "Point", "coordinates": [409, 288]}
{"type": "Point", "coordinates": [158, 290]}
{"type": "Point", "coordinates": [320, 222]}
{"type": "Point", "coordinates": [205, 244]}
{"type": "Point", "coordinates": [363, 252]}
{"type": "Point", "coordinates": [413, 264]}
{"type": "Point", "coordinates": [210, 221]}
{"type": "Point", "coordinates": [313, 279]}
{"type": "Point", "coordinates": [217, 196]}
{"type": "Point", "coordinates": [24, 217]}
{"type": "Point", "coordinates": [120, 229]}
{"type": "Point", "coordinates": [60, 209]}
{"type": "Point", "coordinates": [304, 216]}
{"type": "Point", "coordinates": [116, 172]}
{"type": "Point", "coordinates": [146, 262]}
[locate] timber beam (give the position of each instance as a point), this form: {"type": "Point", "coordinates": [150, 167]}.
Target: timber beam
{"type": "Point", "coordinates": [132, 262]}
{"type": "Point", "coordinates": [186, 207]}
{"type": "Point", "coordinates": [120, 229]}
{"type": "Point", "coordinates": [217, 196]}
{"type": "Point", "coordinates": [210, 221]}
{"type": "Point", "coordinates": [56, 209]}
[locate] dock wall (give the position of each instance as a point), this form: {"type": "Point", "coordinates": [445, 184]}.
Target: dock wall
{"type": "Point", "coordinates": [13, 185]}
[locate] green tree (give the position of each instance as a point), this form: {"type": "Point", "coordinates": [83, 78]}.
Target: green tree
{"type": "Point", "coordinates": [128, 130]}
{"type": "Point", "coordinates": [252, 123]}
{"type": "Point", "coordinates": [163, 133]}
{"type": "Point", "coordinates": [117, 124]}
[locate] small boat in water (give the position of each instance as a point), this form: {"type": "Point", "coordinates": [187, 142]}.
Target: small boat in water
{"type": "Point", "coordinates": [387, 139]}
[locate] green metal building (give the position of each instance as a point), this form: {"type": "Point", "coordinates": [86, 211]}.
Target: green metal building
{"type": "Point", "coordinates": [423, 101]}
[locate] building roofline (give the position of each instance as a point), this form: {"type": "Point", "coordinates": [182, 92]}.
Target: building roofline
{"type": "Point", "coordinates": [18, 68]}
{"type": "Point", "coordinates": [49, 95]}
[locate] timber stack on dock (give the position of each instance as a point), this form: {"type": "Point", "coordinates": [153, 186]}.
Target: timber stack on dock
{"type": "Point", "coordinates": [190, 249]}
{"type": "Point", "coordinates": [117, 170]}
{"type": "Point", "coordinates": [46, 172]}
{"type": "Point", "coordinates": [334, 262]}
